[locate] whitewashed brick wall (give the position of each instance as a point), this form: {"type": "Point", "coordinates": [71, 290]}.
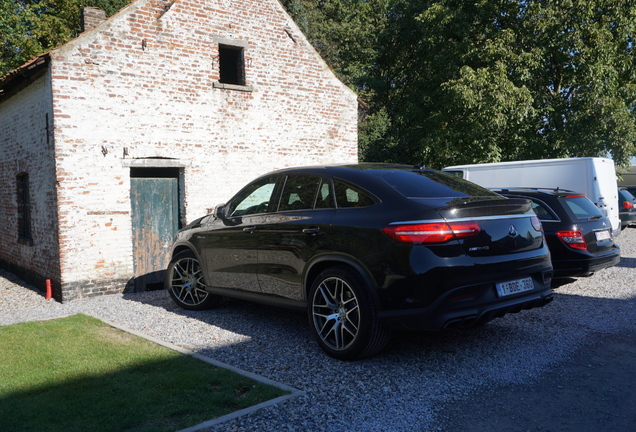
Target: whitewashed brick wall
{"type": "Point", "coordinates": [24, 148]}
{"type": "Point", "coordinates": [143, 83]}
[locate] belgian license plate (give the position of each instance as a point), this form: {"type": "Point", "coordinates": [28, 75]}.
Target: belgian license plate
{"type": "Point", "coordinates": [514, 287]}
{"type": "Point", "coordinates": [602, 235]}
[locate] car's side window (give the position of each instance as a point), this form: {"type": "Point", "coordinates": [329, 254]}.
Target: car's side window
{"type": "Point", "coordinates": [348, 196]}
{"type": "Point", "coordinates": [254, 199]}
{"type": "Point", "coordinates": [299, 192]}
{"type": "Point", "coordinates": [325, 196]}
{"type": "Point", "coordinates": [542, 212]}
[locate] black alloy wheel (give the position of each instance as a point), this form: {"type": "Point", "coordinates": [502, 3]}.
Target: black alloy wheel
{"type": "Point", "coordinates": [185, 283]}
{"type": "Point", "coordinates": [343, 317]}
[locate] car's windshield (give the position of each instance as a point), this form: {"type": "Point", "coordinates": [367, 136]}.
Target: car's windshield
{"type": "Point", "coordinates": [434, 184]}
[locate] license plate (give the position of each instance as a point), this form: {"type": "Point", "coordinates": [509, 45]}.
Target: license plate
{"type": "Point", "coordinates": [514, 287]}
{"type": "Point", "coordinates": [602, 235]}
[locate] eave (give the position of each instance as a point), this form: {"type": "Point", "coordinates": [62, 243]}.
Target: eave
{"type": "Point", "coordinates": [23, 76]}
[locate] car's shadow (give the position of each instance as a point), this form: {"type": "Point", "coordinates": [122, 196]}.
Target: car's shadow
{"type": "Point", "coordinates": [627, 262]}
{"type": "Point", "coordinates": [416, 370]}
{"type": "Point", "coordinates": [258, 338]}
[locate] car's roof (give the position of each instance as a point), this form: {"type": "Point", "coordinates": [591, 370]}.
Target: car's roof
{"type": "Point", "coordinates": [537, 192]}
{"type": "Point", "coordinates": [364, 174]}
{"type": "Point", "coordinates": [373, 177]}
{"type": "Point", "coordinates": [344, 168]}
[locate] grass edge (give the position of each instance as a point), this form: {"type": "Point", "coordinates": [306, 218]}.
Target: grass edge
{"type": "Point", "coordinates": [293, 392]}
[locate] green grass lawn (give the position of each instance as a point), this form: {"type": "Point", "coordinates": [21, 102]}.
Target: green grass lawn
{"type": "Point", "coordinates": [80, 374]}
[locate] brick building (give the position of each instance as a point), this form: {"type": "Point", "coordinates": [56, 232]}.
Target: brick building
{"type": "Point", "coordinates": [112, 141]}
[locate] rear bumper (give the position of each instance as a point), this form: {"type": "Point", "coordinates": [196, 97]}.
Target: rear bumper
{"type": "Point", "coordinates": [584, 265]}
{"type": "Point", "coordinates": [627, 218]}
{"type": "Point", "coordinates": [453, 311]}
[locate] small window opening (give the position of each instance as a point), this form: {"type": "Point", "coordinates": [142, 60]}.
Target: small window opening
{"type": "Point", "coordinates": [24, 208]}
{"type": "Point", "coordinates": [231, 65]}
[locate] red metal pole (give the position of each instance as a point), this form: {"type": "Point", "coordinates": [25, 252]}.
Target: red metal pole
{"type": "Point", "coordinates": [49, 290]}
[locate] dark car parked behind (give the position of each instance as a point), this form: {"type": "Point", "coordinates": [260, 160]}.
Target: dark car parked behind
{"type": "Point", "coordinates": [579, 236]}
{"type": "Point", "coordinates": [364, 249]}
{"type": "Point", "coordinates": [630, 188]}
{"type": "Point", "coordinates": [626, 207]}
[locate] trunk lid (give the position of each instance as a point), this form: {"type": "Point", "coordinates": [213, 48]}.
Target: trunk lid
{"type": "Point", "coordinates": [506, 225]}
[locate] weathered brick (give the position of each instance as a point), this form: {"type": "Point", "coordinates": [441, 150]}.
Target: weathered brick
{"type": "Point", "coordinates": [110, 102]}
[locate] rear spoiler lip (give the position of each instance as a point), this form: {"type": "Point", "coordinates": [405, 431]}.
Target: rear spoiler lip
{"type": "Point", "coordinates": [466, 219]}
{"type": "Point", "coordinates": [508, 207]}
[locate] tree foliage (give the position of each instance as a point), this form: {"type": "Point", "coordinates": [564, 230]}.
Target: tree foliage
{"type": "Point", "coordinates": [31, 27]}
{"type": "Point", "coordinates": [350, 37]}
{"type": "Point", "coordinates": [443, 81]}
{"type": "Point", "coordinates": [449, 81]}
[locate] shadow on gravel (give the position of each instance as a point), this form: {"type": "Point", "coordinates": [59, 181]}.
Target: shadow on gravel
{"type": "Point", "coordinates": [627, 262]}
{"type": "Point", "coordinates": [557, 283]}
{"type": "Point", "coordinates": [271, 331]}
{"type": "Point", "coordinates": [13, 279]}
{"type": "Point", "coordinates": [594, 390]}
{"type": "Point", "coordinates": [421, 372]}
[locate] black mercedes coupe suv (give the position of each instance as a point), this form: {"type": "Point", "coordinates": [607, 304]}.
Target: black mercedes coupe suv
{"type": "Point", "coordinates": [364, 250]}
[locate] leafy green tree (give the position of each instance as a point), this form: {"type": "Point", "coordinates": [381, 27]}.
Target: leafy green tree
{"type": "Point", "coordinates": [31, 27]}
{"type": "Point", "coordinates": [15, 46]}
{"type": "Point", "coordinates": [448, 81]}
{"type": "Point", "coordinates": [530, 79]}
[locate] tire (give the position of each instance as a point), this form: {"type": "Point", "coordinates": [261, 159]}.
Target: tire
{"type": "Point", "coordinates": [186, 284]}
{"type": "Point", "coordinates": [343, 317]}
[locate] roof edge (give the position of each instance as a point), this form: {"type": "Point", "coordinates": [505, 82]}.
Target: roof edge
{"type": "Point", "coordinates": [22, 76]}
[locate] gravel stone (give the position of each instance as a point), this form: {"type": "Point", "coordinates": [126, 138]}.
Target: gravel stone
{"type": "Point", "coordinates": [404, 388]}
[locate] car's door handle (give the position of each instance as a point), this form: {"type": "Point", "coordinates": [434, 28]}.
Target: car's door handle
{"type": "Point", "coordinates": [312, 230]}
{"type": "Point", "coordinates": [250, 229]}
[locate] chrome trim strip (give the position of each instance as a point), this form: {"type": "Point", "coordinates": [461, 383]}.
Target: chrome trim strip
{"type": "Point", "coordinates": [501, 217]}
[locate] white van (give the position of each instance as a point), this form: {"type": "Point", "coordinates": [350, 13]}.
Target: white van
{"type": "Point", "coordinates": [595, 177]}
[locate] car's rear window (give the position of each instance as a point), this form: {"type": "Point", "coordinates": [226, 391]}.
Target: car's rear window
{"type": "Point", "coordinates": [581, 208]}
{"type": "Point", "coordinates": [625, 195]}
{"type": "Point", "coordinates": [434, 184]}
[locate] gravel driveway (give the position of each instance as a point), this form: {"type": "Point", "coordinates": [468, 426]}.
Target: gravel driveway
{"type": "Point", "coordinates": [456, 381]}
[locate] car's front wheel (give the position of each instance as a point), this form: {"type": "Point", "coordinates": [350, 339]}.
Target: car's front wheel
{"type": "Point", "coordinates": [342, 315]}
{"type": "Point", "coordinates": [185, 283]}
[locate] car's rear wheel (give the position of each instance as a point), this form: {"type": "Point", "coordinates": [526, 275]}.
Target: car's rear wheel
{"type": "Point", "coordinates": [185, 283]}
{"type": "Point", "coordinates": [343, 316]}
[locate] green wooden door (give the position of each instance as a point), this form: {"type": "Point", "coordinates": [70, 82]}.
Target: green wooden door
{"type": "Point", "coordinates": [155, 221]}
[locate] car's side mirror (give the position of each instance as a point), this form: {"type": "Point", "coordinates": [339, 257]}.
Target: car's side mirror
{"type": "Point", "coordinates": [219, 211]}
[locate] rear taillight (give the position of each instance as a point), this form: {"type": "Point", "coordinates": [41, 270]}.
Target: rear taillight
{"type": "Point", "coordinates": [431, 232]}
{"type": "Point", "coordinates": [628, 205]}
{"type": "Point", "coordinates": [573, 239]}
{"type": "Point", "coordinates": [536, 223]}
